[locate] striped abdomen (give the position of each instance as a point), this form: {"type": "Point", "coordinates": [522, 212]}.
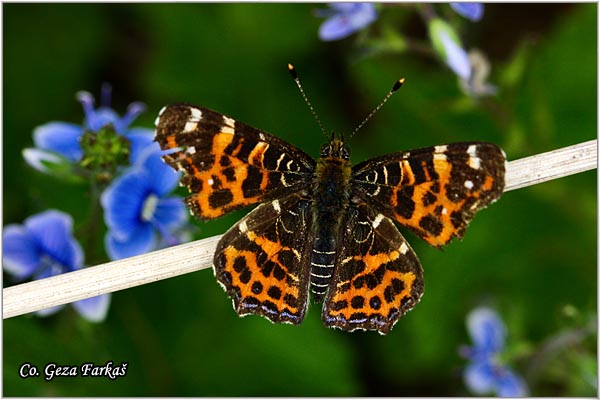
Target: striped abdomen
{"type": "Point", "coordinates": [330, 203]}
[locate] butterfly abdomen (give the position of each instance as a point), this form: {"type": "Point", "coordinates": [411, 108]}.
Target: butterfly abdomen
{"type": "Point", "coordinates": [330, 201]}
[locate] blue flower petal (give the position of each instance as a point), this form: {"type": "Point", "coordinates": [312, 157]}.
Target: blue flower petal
{"type": "Point", "coordinates": [170, 212]}
{"type": "Point", "coordinates": [349, 8]}
{"type": "Point", "coordinates": [133, 111]}
{"type": "Point", "coordinates": [140, 242]}
{"type": "Point", "coordinates": [21, 255]}
{"type": "Point", "coordinates": [141, 140]}
{"type": "Point", "coordinates": [49, 311]}
{"type": "Point", "coordinates": [486, 329]}
{"type": "Point", "coordinates": [351, 17]}
{"type": "Point", "coordinates": [472, 11]}
{"type": "Point", "coordinates": [102, 117]}
{"type": "Point", "coordinates": [51, 267]}
{"type": "Point", "coordinates": [456, 57]}
{"type": "Point", "coordinates": [480, 378]}
{"type": "Point", "coordinates": [52, 230]}
{"type": "Point", "coordinates": [38, 159]}
{"type": "Point", "coordinates": [123, 201]}
{"type": "Point", "coordinates": [163, 178]}
{"type": "Point", "coordinates": [510, 385]}
{"type": "Point", "coordinates": [60, 137]}
{"type": "Point", "coordinates": [93, 309]}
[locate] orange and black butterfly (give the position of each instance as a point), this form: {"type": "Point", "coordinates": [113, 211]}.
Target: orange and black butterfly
{"type": "Point", "coordinates": [324, 228]}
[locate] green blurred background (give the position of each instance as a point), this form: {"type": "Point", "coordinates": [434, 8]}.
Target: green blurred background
{"type": "Point", "coordinates": [532, 255]}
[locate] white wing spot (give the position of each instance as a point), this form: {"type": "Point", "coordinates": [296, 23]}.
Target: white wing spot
{"type": "Point", "coordinates": [374, 174]}
{"type": "Point", "coordinates": [377, 220]}
{"type": "Point", "coordinates": [469, 184]}
{"type": "Point", "coordinates": [281, 157]}
{"type": "Point", "coordinates": [196, 114]}
{"type": "Point", "coordinates": [210, 181]}
{"type": "Point", "coordinates": [243, 227]}
{"type": "Point", "coordinates": [162, 110]}
{"type": "Point", "coordinates": [439, 157]}
{"type": "Point", "coordinates": [191, 150]}
{"type": "Point", "coordinates": [229, 121]}
{"type": "Point", "coordinates": [228, 125]}
{"type": "Point", "coordinates": [190, 126]}
{"type": "Point", "coordinates": [471, 150]}
{"type": "Point", "coordinates": [276, 206]}
{"type": "Point", "coordinates": [474, 161]}
{"type": "Point", "coordinates": [376, 191]}
{"type": "Point", "coordinates": [344, 261]}
{"type": "Point", "coordinates": [291, 164]}
{"type": "Point", "coordinates": [403, 248]}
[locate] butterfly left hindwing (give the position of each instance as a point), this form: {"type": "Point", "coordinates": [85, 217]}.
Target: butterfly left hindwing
{"type": "Point", "coordinates": [262, 261]}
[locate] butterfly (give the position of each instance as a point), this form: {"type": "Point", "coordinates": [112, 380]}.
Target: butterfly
{"type": "Point", "coordinates": [323, 228]}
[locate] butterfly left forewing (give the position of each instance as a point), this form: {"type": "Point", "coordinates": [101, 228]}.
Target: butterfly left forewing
{"type": "Point", "coordinates": [434, 191]}
{"type": "Point", "coordinates": [228, 165]}
{"type": "Point", "coordinates": [377, 277]}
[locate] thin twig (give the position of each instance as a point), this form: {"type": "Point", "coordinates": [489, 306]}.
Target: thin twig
{"type": "Point", "coordinates": [194, 256]}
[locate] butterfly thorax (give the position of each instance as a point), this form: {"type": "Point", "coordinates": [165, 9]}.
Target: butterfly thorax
{"type": "Point", "coordinates": [330, 194]}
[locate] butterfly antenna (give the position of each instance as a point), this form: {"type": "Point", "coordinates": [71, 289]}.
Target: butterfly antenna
{"type": "Point", "coordinates": [389, 94]}
{"type": "Point", "coordinates": [292, 70]}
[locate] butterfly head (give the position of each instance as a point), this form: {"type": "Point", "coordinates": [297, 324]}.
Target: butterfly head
{"type": "Point", "coordinates": [335, 148]}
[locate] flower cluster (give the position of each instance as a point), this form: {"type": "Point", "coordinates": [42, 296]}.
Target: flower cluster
{"type": "Point", "coordinates": [124, 168]}
{"type": "Point", "coordinates": [345, 19]}
{"type": "Point", "coordinates": [44, 246]}
{"type": "Point", "coordinates": [486, 373]}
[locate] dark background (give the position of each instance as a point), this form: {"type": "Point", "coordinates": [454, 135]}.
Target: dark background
{"type": "Point", "coordinates": [532, 255]}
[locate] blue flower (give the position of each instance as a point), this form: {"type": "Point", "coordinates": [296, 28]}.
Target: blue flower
{"type": "Point", "coordinates": [55, 140]}
{"type": "Point", "coordinates": [485, 373]}
{"type": "Point", "coordinates": [456, 57]}
{"type": "Point", "coordinates": [343, 19]}
{"type": "Point", "coordinates": [139, 215]}
{"type": "Point", "coordinates": [472, 11]}
{"type": "Point", "coordinates": [44, 246]}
